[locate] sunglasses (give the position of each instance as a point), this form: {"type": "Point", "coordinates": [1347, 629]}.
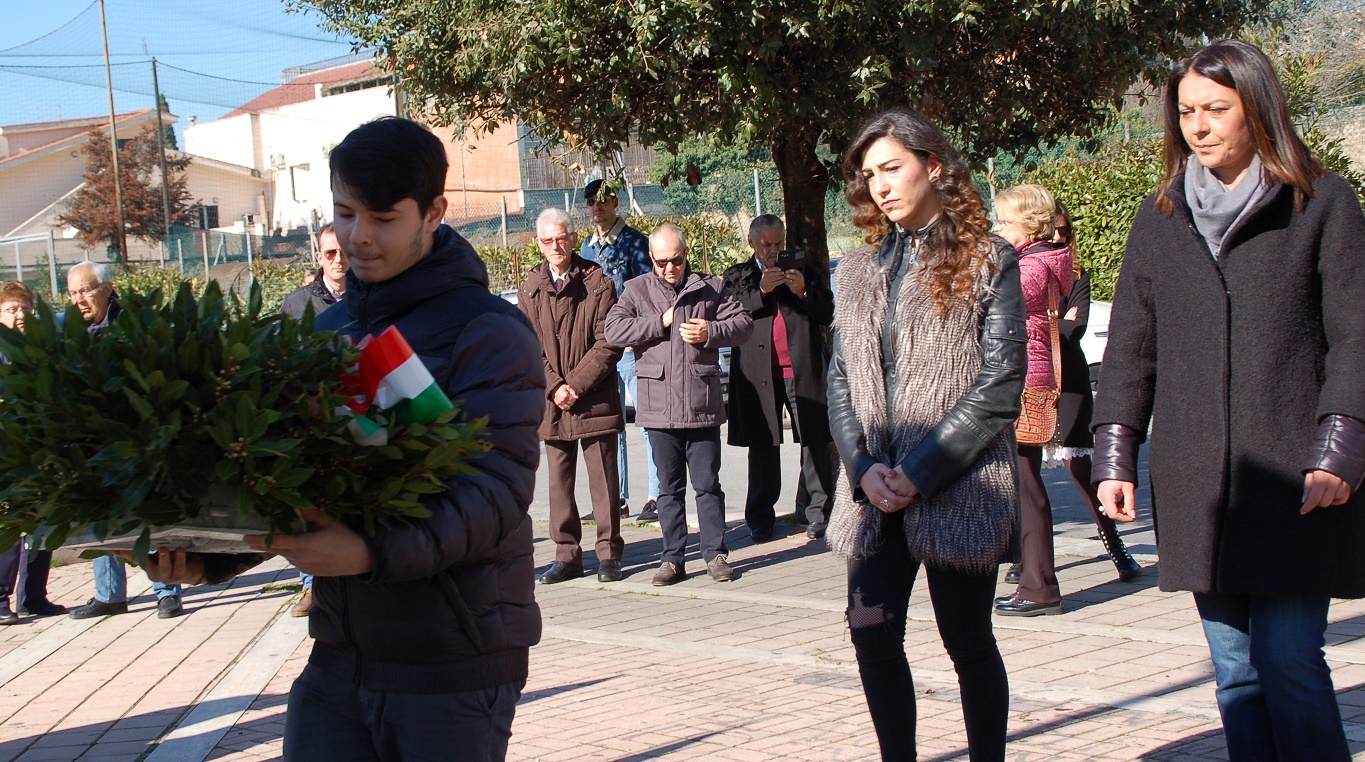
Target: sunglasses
{"type": "Point", "coordinates": [678, 261]}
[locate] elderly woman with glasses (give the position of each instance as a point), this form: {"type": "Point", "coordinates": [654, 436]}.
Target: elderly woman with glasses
{"type": "Point", "coordinates": [16, 305]}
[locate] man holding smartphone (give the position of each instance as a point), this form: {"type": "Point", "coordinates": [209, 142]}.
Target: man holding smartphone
{"type": "Point", "coordinates": [782, 366]}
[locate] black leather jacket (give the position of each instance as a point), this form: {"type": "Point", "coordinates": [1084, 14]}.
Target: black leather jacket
{"type": "Point", "coordinates": [988, 408]}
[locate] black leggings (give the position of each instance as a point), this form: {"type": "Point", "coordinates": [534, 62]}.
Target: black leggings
{"type": "Point", "coordinates": [878, 596]}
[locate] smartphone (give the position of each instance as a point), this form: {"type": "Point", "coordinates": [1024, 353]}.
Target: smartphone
{"type": "Point", "coordinates": [789, 259]}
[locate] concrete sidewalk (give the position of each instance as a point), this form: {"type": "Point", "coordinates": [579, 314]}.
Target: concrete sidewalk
{"type": "Point", "coordinates": [760, 668]}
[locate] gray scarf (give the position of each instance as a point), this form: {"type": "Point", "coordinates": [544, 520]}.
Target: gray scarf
{"type": "Point", "coordinates": [1216, 208]}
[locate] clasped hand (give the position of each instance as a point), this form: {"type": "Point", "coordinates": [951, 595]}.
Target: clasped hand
{"type": "Point", "coordinates": [565, 397]}
{"type": "Point", "coordinates": [887, 488]}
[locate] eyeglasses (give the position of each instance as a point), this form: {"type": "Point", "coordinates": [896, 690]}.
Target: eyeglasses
{"type": "Point", "coordinates": [85, 291]}
{"type": "Point", "coordinates": [1003, 223]}
{"type": "Point", "coordinates": [594, 201]}
{"type": "Point", "coordinates": [556, 241]}
{"type": "Point", "coordinates": [678, 261]}
{"type": "Point", "coordinates": [13, 309]}
{"type": "Point", "coordinates": [330, 253]}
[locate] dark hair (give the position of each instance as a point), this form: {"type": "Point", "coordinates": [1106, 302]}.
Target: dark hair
{"type": "Point", "coordinates": [328, 228]}
{"type": "Point", "coordinates": [765, 221]}
{"type": "Point", "coordinates": [957, 248]}
{"type": "Point", "coordinates": [388, 159]}
{"type": "Point", "coordinates": [1242, 67]}
{"type": "Point", "coordinates": [1070, 236]}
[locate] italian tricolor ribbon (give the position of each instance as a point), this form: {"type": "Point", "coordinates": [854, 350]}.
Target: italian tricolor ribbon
{"type": "Point", "coordinates": [392, 380]}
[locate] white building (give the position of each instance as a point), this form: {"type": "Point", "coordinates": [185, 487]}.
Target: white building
{"type": "Point", "coordinates": [42, 166]}
{"type": "Point", "coordinates": [286, 134]}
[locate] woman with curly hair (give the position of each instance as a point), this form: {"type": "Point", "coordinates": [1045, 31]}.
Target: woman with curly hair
{"type": "Point", "coordinates": [924, 386]}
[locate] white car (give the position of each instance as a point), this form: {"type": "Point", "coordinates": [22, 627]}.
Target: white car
{"type": "Point", "coordinates": [1096, 338]}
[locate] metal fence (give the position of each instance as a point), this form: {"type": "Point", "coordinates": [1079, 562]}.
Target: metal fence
{"type": "Point", "coordinates": [740, 200]}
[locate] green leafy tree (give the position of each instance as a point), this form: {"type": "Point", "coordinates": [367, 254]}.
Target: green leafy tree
{"type": "Point", "coordinates": [724, 176]}
{"type": "Point", "coordinates": [794, 75]}
{"type": "Point", "coordinates": [92, 210]}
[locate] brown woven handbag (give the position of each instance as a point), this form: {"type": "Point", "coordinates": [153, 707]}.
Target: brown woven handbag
{"type": "Point", "coordinates": [1037, 422]}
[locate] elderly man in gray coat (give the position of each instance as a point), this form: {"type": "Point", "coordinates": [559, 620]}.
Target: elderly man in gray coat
{"type": "Point", "coordinates": [677, 320]}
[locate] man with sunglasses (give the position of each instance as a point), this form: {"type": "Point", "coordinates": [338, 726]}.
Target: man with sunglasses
{"type": "Point", "coordinates": [677, 320]}
{"type": "Point", "coordinates": [623, 253]}
{"type": "Point", "coordinates": [329, 286]}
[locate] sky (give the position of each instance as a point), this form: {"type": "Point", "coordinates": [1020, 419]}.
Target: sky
{"type": "Point", "coordinates": [212, 55]}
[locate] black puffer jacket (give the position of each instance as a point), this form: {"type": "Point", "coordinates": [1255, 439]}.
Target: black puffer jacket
{"type": "Point", "coordinates": [450, 604]}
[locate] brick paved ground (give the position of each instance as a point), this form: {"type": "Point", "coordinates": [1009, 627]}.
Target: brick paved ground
{"type": "Point", "coordinates": [757, 669]}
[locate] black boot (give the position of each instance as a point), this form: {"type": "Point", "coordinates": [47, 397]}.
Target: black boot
{"type": "Point", "coordinates": [1128, 568]}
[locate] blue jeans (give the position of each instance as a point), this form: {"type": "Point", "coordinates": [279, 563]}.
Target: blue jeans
{"type": "Point", "coordinates": [331, 719]}
{"type": "Point", "coordinates": [625, 376]}
{"type": "Point", "coordinates": [111, 582]}
{"type": "Point", "coordinates": [1274, 687]}
{"type": "Point", "coordinates": [307, 580]}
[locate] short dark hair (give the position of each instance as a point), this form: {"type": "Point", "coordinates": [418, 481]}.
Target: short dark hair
{"type": "Point", "coordinates": [388, 159]}
{"type": "Point", "coordinates": [328, 228]}
{"type": "Point", "coordinates": [1241, 66]}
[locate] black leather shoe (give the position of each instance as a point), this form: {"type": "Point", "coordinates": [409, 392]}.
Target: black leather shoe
{"type": "Point", "coordinates": [649, 512]}
{"type": "Point", "coordinates": [7, 616]}
{"type": "Point", "coordinates": [560, 571]}
{"type": "Point", "coordinates": [1012, 575]}
{"type": "Point", "coordinates": [96, 607]}
{"type": "Point", "coordinates": [609, 571]}
{"type": "Point", "coordinates": [169, 607]}
{"type": "Point", "coordinates": [1004, 599]}
{"type": "Point", "coordinates": [815, 531]}
{"type": "Point", "coordinates": [1021, 607]}
{"type": "Point", "coordinates": [761, 535]}
{"type": "Point", "coordinates": [44, 608]}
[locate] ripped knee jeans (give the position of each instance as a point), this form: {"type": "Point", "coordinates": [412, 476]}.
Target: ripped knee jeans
{"type": "Point", "coordinates": [878, 597]}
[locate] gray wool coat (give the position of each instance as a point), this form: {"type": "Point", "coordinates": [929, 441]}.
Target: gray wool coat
{"type": "Point", "coordinates": [678, 383]}
{"type": "Point", "coordinates": [1235, 361]}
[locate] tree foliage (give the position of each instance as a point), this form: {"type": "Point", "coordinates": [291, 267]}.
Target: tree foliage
{"type": "Point", "coordinates": [92, 211]}
{"type": "Point", "coordinates": [790, 74]}
{"type": "Point", "coordinates": [184, 392]}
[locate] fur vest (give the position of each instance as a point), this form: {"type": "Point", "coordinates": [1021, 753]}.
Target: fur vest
{"type": "Point", "coordinates": [970, 524]}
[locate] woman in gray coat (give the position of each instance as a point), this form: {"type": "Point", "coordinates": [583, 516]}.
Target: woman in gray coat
{"type": "Point", "coordinates": [1237, 334]}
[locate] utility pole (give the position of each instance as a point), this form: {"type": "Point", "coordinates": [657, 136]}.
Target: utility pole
{"type": "Point", "coordinates": [122, 234]}
{"type": "Point", "coordinates": [161, 144]}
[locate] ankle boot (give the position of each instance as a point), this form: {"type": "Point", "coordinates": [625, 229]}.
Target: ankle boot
{"type": "Point", "coordinates": [1128, 568]}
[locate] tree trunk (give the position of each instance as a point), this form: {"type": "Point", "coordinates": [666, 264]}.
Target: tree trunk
{"type": "Point", "coordinates": [804, 184]}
